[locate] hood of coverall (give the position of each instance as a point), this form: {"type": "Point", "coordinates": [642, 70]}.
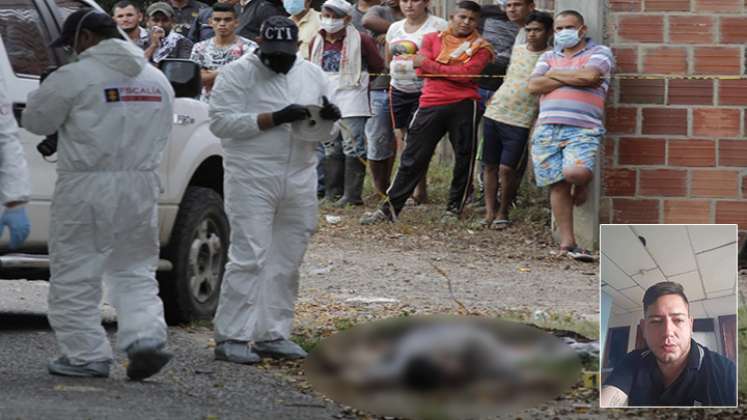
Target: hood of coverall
{"type": "Point", "coordinates": [122, 56]}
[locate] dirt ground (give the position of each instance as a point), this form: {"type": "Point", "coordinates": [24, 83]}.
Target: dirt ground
{"type": "Point", "coordinates": [413, 263]}
{"type": "Point", "coordinates": [353, 274]}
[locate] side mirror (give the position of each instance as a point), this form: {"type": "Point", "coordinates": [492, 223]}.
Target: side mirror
{"type": "Point", "coordinates": [184, 76]}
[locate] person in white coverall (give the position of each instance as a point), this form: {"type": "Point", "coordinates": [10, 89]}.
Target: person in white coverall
{"type": "Point", "coordinates": [15, 187]}
{"type": "Point", "coordinates": [113, 112]}
{"type": "Point", "coordinates": [270, 190]}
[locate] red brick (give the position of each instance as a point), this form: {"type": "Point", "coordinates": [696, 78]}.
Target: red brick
{"type": "Point", "coordinates": [732, 92]}
{"type": "Point", "coordinates": [640, 28]}
{"type": "Point", "coordinates": [625, 211]}
{"type": "Point", "coordinates": [625, 5]}
{"type": "Point", "coordinates": [690, 92]}
{"type": "Point", "coordinates": [732, 153]}
{"type": "Point", "coordinates": [641, 151]}
{"type": "Point", "coordinates": [691, 29]}
{"type": "Point", "coordinates": [665, 121]}
{"type": "Point", "coordinates": [728, 212]}
{"type": "Point", "coordinates": [608, 152]}
{"type": "Point", "coordinates": [718, 60]}
{"type": "Point", "coordinates": [619, 182]}
{"type": "Point", "coordinates": [687, 211]}
{"type": "Point", "coordinates": [635, 91]}
{"type": "Point", "coordinates": [667, 5]}
{"type": "Point", "coordinates": [626, 59]}
{"type": "Point", "coordinates": [716, 122]}
{"type": "Point", "coordinates": [663, 182]}
{"type": "Point", "coordinates": [665, 60]}
{"type": "Point", "coordinates": [719, 6]}
{"type": "Point", "coordinates": [691, 153]}
{"type": "Point", "coordinates": [733, 30]}
{"type": "Point", "coordinates": [621, 120]}
{"type": "Point", "coordinates": [718, 184]}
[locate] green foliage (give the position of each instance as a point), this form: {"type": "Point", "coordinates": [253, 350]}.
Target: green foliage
{"type": "Point", "coordinates": [532, 204]}
{"type": "Point", "coordinates": [308, 343]}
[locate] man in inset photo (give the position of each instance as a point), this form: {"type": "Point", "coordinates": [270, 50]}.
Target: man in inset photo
{"type": "Point", "coordinates": [674, 369]}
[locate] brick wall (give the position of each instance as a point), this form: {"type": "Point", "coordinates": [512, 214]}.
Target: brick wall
{"type": "Point", "coordinates": [675, 150]}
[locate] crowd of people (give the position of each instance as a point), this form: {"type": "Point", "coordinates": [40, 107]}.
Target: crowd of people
{"type": "Point", "coordinates": [379, 76]}
{"type": "Point", "coordinates": [404, 77]}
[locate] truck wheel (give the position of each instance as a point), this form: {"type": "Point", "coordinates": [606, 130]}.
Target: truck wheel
{"type": "Point", "coordinates": [198, 250]}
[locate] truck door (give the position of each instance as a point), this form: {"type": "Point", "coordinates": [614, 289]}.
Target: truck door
{"type": "Point", "coordinates": [24, 55]}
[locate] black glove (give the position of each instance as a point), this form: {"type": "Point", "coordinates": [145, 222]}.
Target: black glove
{"type": "Point", "coordinates": [329, 110]}
{"type": "Point", "coordinates": [290, 113]}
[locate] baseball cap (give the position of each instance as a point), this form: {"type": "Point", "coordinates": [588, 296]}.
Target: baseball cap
{"type": "Point", "coordinates": [160, 6]}
{"type": "Point", "coordinates": [86, 18]}
{"type": "Point", "coordinates": [279, 35]}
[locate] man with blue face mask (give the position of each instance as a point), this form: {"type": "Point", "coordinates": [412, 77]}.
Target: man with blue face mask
{"type": "Point", "coordinates": [307, 20]}
{"type": "Point", "coordinates": [573, 81]}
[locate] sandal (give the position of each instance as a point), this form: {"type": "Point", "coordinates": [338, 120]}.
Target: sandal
{"type": "Point", "coordinates": [484, 223]}
{"type": "Point", "coordinates": [500, 224]}
{"type": "Point", "coordinates": [577, 253]}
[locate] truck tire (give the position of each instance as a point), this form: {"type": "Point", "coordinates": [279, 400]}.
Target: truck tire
{"type": "Point", "coordinates": [198, 250]}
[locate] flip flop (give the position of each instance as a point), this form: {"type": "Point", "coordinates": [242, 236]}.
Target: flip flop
{"type": "Point", "coordinates": [500, 224]}
{"type": "Point", "coordinates": [481, 224]}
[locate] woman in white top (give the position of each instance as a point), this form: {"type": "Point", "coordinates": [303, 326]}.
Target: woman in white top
{"type": "Point", "coordinates": [405, 37]}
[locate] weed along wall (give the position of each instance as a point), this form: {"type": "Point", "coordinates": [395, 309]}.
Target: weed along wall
{"type": "Point", "coordinates": [675, 150]}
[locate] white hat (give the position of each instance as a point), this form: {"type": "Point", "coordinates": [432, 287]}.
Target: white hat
{"type": "Point", "coordinates": [340, 6]}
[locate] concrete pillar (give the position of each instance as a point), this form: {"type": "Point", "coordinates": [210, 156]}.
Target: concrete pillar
{"type": "Point", "coordinates": [586, 217]}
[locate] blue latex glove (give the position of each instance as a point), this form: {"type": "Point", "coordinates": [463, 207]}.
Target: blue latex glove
{"type": "Point", "coordinates": [18, 223]}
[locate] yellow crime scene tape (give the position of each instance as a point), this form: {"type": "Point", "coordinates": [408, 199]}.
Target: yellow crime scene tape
{"type": "Point", "coordinates": [622, 76]}
{"type": "Point", "coordinates": [619, 76]}
{"type": "Point", "coordinates": [590, 379]}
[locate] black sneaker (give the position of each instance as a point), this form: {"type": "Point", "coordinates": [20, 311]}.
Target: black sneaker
{"type": "Point", "coordinates": [579, 254]}
{"type": "Point", "coordinates": [147, 358]}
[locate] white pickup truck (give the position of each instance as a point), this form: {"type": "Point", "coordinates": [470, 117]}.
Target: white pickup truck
{"type": "Point", "coordinates": [193, 225]}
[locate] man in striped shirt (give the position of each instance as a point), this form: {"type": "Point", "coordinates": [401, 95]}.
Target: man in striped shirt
{"type": "Point", "coordinates": [573, 81]}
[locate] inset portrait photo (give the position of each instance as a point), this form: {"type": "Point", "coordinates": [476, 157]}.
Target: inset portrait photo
{"type": "Point", "coordinates": [668, 315]}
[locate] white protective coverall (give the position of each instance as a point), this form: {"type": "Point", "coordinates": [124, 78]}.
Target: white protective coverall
{"type": "Point", "coordinates": [14, 172]}
{"type": "Point", "coordinates": [114, 113]}
{"type": "Point", "coordinates": [270, 195]}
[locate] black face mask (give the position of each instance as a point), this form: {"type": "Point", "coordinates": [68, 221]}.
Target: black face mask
{"type": "Point", "coordinates": [278, 62]}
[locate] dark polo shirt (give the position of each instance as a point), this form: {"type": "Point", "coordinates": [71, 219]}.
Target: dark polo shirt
{"type": "Point", "coordinates": [709, 379]}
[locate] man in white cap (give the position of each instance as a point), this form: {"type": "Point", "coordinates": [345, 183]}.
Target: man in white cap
{"type": "Point", "coordinates": [270, 189]}
{"type": "Point", "coordinates": [347, 56]}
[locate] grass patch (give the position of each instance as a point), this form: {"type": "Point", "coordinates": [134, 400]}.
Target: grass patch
{"type": "Point", "coordinates": [555, 321]}
{"type": "Point", "coordinates": [308, 343]}
{"type": "Point", "coordinates": [532, 204]}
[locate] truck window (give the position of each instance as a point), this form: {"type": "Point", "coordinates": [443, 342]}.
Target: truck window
{"type": "Point", "coordinates": [25, 37]}
{"type": "Point", "coordinates": [69, 6]}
